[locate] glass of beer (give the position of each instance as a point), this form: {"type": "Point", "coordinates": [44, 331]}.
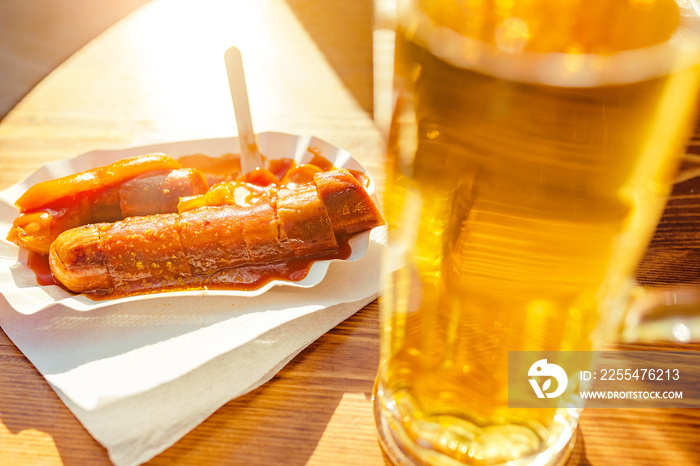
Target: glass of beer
{"type": "Point", "coordinates": [531, 150]}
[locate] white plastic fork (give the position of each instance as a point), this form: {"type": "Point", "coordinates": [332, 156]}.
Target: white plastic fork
{"type": "Point", "coordinates": [250, 154]}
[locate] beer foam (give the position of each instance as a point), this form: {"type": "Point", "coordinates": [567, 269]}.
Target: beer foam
{"type": "Point", "coordinates": [558, 69]}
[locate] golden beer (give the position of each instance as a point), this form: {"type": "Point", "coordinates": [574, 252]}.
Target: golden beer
{"type": "Point", "coordinates": [527, 168]}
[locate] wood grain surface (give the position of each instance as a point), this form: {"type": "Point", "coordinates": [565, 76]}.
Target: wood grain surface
{"type": "Point", "coordinates": [38, 35]}
{"type": "Point", "coordinates": [159, 76]}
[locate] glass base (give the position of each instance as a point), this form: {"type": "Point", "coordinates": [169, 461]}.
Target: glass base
{"type": "Point", "coordinates": [402, 450]}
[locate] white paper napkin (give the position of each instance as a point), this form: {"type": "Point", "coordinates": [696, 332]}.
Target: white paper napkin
{"type": "Point", "coordinates": [140, 376]}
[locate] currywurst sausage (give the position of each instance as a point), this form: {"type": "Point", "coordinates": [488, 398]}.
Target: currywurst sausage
{"type": "Point", "coordinates": [143, 185]}
{"type": "Point", "coordinates": [165, 249]}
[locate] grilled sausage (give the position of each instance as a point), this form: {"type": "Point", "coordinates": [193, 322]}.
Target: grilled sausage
{"type": "Point", "coordinates": [157, 250]}
{"type": "Point", "coordinates": [151, 192]}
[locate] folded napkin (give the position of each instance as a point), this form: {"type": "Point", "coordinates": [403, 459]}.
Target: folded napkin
{"type": "Point", "coordinates": [140, 375]}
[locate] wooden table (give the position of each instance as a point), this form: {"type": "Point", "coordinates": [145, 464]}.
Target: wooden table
{"type": "Point", "coordinates": [159, 76]}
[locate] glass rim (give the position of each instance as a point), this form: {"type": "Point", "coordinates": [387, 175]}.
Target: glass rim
{"type": "Point", "coordinates": [680, 52]}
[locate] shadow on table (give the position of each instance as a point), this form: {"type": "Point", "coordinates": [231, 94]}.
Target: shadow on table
{"type": "Point", "coordinates": [578, 455]}
{"type": "Point", "coordinates": [38, 35]}
{"type": "Point", "coordinates": [28, 405]}
{"type": "Point", "coordinates": [343, 32]}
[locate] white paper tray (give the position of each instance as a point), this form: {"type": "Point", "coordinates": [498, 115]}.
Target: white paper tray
{"type": "Point", "coordinates": [18, 283]}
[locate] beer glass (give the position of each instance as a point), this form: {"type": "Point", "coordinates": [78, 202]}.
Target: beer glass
{"type": "Point", "coordinates": [531, 150]}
